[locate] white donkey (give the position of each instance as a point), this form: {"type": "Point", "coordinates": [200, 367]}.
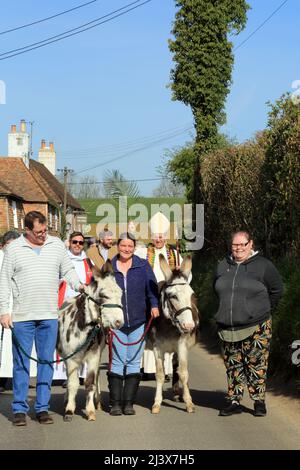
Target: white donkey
{"type": "Point", "coordinates": [175, 330]}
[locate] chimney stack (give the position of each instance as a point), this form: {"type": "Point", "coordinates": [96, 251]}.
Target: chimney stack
{"type": "Point", "coordinates": [23, 126]}
{"type": "Point", "coordinates": [47, 156]}
{"type": "Point", "coordinates": [19, 142]}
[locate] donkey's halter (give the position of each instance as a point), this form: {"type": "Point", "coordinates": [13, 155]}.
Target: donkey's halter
{"type": "Point", "coordinates": [175, 313]}
{"type": "Point", "coordinates": [97, 302]}
{"type": "Point", "coordinates": [102, 306]}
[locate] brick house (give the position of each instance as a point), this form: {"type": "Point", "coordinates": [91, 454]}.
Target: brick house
{"type": "Point", "coordinates": [26, 185]}
{"type": "Point", "coordinates": [11, 209]}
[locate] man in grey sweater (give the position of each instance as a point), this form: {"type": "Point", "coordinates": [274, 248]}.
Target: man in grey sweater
{"type": "Point", "coordinates": [32, 267]}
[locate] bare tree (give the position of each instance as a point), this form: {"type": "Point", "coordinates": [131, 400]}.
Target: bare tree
{"type": "Point", "coordinates": [167, 188]}
{"type": "Point", "coordinates": [87, 188]}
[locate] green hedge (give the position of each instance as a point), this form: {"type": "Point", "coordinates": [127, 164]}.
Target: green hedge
{"type": "Point", "coordinates": [286, 320]}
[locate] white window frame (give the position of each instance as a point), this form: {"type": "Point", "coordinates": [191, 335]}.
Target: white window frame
{"type": "Point", "coordinates": [15, 213]}
{"type": "Point", "coordinates": [56, 220]}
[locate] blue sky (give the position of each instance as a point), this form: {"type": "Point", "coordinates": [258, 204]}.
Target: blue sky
{"type": "Point", "coordinates": [103, 93]}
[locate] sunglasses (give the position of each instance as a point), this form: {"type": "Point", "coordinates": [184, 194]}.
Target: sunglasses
{"type": "Point", "coordinates": [77, 242]}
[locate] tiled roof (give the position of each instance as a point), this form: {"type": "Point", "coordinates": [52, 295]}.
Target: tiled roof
{"type": "Point", "coordinates": [16, 177]}
{"type": "Point", "coordinates": [5, 191]}
{"type": "Point", "coordinates": [51, 186]}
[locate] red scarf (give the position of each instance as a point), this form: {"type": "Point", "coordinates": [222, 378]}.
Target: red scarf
{"type": "Point", "coordinates": [63, 285]}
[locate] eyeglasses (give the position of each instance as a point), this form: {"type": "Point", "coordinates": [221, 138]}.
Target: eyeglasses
{"type": "Point", "coordinates": [242, 245]}
{"type": "Point", "coordinates": [77, 242]}
{"type": "Point", "coordinates": [40, 233]}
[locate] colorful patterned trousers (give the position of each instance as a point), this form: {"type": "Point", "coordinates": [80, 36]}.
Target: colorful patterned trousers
{"type": "Point", "coordinates": [246, 363]}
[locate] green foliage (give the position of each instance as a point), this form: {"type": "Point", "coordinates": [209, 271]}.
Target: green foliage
{"type": "Point", "coordinates": [203, 57]}
{"type": "Point", "coordinates": [181, 167]}
{"type": "Point", "coordinates": [286, 321]}
{"type": "Point", "coordinates": [231, 189]}
{"type": "Point", "coordinates": [203, 60]}
{"type": "Point", "coordinates": [281, 179]}
{"type": "Point", "coordinates": [202, 283]}
{"type": "Point", "coordinates": [180, 162]}
{"type": "Point", "coordinates": [115, 185]}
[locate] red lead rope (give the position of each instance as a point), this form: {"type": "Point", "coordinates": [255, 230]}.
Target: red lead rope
{"type": "Point", "coordinates": [112, 334]}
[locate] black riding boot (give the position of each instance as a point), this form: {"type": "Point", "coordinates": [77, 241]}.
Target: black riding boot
{"type": "Point", "coordinates": [115, 385]}
{"type": "Point", "coordinates": [130, 390]}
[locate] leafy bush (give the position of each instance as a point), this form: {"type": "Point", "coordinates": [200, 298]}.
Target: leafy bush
{"type": "Point", "coordinates": [286, 321]}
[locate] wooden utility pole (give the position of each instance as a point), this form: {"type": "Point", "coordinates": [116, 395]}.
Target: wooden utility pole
{"type": "Point", "coordinates": [65, 172]}
{"type": "Point", "coordinates": [64, 226]}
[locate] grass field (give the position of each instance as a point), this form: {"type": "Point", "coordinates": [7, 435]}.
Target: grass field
{"type": "Point", "coordinates": [142, 207]}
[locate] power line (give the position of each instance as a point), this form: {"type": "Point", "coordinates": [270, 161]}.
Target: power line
{"type": "Point", "coordinates": [128, 145]}
{"type": "Point", "coordinates": [261, 25]}
{"type": "Point", "coordinates": [69, 30]}
{"type": "Point", "coordinates": [128, 154]}
{"type": "Point", "coordinates": [48, 41]}
{"type": "Point", "coordinates": [48, 17]}
{"type": "Point", "coordinates": [125, 143]}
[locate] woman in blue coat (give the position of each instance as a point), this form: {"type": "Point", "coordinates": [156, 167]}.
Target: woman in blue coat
{"type": "Point", "coordinates": [140, 298]}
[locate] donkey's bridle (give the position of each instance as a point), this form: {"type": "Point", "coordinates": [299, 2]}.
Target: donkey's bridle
{"type": "Point", "coordinates": [102, 306]}
{"type": "Point", "coordinates": [97, 302]}
{"type": "Point", "coordinates": [176, 313]}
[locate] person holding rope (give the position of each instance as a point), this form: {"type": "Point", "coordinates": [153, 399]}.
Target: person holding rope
{"type": "Point", "coordinates": [83, 267]}
{"type": "Point", "coordinates": [140, 297]}
{"type": "Point", "coordinates": [32, 267]}
{"type": "Point", "coordinates": [5, 339]}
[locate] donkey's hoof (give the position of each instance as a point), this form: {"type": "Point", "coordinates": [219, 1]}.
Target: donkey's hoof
{"type": "Point", "coordinates": [68, 417]}
{"type": "Point", "coordinates": [155, 409]}
{"type": "Point", "coordinates": [190, 408]}
{"type": "Point", "coordinates": [91, 417]}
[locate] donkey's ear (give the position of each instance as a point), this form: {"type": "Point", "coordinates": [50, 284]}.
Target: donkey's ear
{"type": "Point", "coordinates": [107, 268]}
{"type": "Point", "coordinates": [167, 272]}
{"type": "Point", "coordinates": [186, 266]}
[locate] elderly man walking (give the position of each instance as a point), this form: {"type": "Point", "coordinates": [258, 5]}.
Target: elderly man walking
{"type": "Point", "coordinates": [32, 267]}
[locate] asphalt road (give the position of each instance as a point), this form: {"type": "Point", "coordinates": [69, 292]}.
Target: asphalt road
{"type": "Point", "coordinates": [172, 429]}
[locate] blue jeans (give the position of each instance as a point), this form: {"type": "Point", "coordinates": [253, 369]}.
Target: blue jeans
{"type": "Point", "coordinates": [44, 333]}
{"type": "Point", "coordinates": [127, 356]}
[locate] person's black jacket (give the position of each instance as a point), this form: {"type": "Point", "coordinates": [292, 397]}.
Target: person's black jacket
{"type": "Point", "coordinates": [247, 291]}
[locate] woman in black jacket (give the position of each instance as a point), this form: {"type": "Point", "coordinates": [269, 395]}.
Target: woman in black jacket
{"type": "Point", "coordinates": [249, 288]}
